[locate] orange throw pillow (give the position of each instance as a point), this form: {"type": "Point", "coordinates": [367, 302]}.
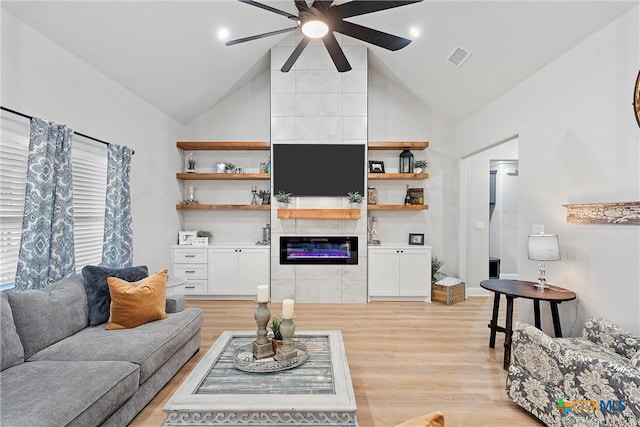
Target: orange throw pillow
{"type": "Point", "coordinates": [136, 303]}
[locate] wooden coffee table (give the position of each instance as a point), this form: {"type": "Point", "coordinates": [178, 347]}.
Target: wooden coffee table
{"type": "Point", "coordinates": [316, 393]}
{"type": "Point", "coordinates": [512, 289]}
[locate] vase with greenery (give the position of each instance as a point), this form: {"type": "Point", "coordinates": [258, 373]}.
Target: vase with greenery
{"type": "Point", "coordinates": [436, 265]}
{"type": "Point", "coordinates": [355, 199]}
{"type": "Point", "coordinates": [191, 163]}
{"type": "Point", "coordinates": [283, 198]}
{"type": "Point", "coordinates": [277, 336]}
{"type": "Point", "coordinates": [419, 166]}
{"type": "Point", "coordinates": [229, 167]}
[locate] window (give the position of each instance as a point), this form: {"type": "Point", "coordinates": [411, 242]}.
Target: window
{"type": "Point", "coordinates": [14, 147]}
{"type": "Point", "coordinates": [89, 164]}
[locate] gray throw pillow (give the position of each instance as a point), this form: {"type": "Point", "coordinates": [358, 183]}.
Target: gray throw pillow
{"type": "Point", "coordinates": [10, 345]}
{"type": "Point", "coordinates": [95, 281]}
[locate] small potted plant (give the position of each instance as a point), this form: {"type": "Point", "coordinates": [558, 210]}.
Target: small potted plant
{"type": "Point", "coordinates": [191, 164]}
{"type": "Point", "coordinates": [229, 167]}
{"type": "Point", "coordinates": [276, 341]}
{"type": "Point", "coordinates": [283, 198]}
{"type": "Point", "coordinates": [419, 166]}
{"type": "Point", "coordinates": [204, 234]}
{"type": "Point", "coordinates": [355, 199]}
{"type": "Point", "coordinates": [436, 265]}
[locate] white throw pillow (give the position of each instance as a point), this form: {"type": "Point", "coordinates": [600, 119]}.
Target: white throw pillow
{"type": "Point", "coordinates": [635, 360]}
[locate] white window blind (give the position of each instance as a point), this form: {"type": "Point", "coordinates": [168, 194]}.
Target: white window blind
{"type": "Point", "coordinates": [89, 164]}
{"type": "Point", "coordinates": [14, 148]}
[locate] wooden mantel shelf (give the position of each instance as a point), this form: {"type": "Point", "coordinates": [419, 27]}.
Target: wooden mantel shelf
{"type": "Point", "coordinates": [398, 207]}
{"type": "Point", "coordinates": [224, 207]}
{"type": "Point", "coordinates": [223, 145]}
{"type": "Point", "coordinates": [318, 213]}
{"type": "Point", "coordinates": [398, 175]}
{"type": "Point", "coordinates": [397, 145]}
{"type": "Point", "coordinates": [222, 176]}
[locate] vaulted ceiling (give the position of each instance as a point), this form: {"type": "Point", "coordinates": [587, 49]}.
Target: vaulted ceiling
{"type": "Point", "coordinates": [168, 53]}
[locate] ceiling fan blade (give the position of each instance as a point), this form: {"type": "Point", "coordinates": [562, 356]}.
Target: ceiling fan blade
{"type": "Point", "coordinates": [259, 36]}
{"type": "Point", "coordinates": [294, 56]}
{"type": "Point", "coordinates": [369, 35]}
{"type": "Point", "coordinates": [337, 55]}
{"type": "Point", "coordinates": [269, 8]}
{"type": "Point", "coordinates": [361, 7]}
{"type": "Point", "coordinates": [301, 5]}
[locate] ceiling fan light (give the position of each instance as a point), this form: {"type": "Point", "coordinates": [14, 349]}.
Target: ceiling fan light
{"type": "Point", "coordinates": [315, 29]}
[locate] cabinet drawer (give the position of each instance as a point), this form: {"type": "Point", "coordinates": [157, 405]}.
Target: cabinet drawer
{"type": "Point", "coordinates": [195, 287]}
{"type": "Point", "coordinates": [194, 256]}
{"type": "Point", "coordinates": [190, 271]}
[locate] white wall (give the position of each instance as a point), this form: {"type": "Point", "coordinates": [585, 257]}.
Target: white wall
{"type": "Point", "coordinates": [397, 115]}
{"type": "Point", "coordinates": [578, 143]}
{"type": "Point", "coordinates": [41, 79]}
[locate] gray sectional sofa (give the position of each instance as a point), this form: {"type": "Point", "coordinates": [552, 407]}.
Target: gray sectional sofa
{"type": "Point", "coordinates": [57, 370]}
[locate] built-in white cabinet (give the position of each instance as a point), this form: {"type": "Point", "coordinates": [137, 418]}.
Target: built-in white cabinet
{"type": "Point", "coordinates": [221, 270]}
{"type": "Point", "coordinates": [238, 271]}
{"type": "Point", "coordinates": [190, 263]}
{"type": "Point", "coordinates": [399, 272]}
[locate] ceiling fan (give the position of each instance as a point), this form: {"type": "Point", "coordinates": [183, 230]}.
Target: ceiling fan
{"type": "Point", "coordinates": [321, 18]}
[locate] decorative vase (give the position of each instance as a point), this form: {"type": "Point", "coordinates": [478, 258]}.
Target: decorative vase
{"type": "Point", "coordinates": [417, 170]}
{"type": "Point", "coordinates": [354, 205]}
{"type": "Point", "coordinates": [283, 205]}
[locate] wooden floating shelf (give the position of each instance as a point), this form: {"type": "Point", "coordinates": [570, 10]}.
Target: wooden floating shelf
{"type": "Point", "coordinates": [222, 176]}
{"type": "Point", "coordinates": [224, 207]}
{"type": "Point", "coordinates": [223, 145]}
{"type": "Point", "coordinates": [398, 207]}
{"type": "Point", "coordinates": [604, 213]}
{"type": "Point", "coordinates": [318, 213]}
{"type": "Point", "coordinates": [398, 175]}
{"type": "Point", "coordinates": [397, 145]}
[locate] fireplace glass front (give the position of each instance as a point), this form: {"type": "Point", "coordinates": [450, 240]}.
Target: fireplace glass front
{"type": "Point", "coordinates": [318, 250]}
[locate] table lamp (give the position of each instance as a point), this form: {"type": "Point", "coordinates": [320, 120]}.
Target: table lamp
{"type": "Point", "coordinates": [543, 247]}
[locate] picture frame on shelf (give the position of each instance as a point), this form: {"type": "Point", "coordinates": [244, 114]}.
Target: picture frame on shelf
{"type": "Point", "coordinates": [200, 241]}
{"type": "Point", "coordinates": [416, 239]}
{"type": "Point", "coordinates": [376, 166]}
{"type": "Point", "coordinates": [186, 238]}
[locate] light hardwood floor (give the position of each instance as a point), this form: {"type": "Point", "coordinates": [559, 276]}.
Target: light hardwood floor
{"type": "Point", "coordinates": [406, 359]}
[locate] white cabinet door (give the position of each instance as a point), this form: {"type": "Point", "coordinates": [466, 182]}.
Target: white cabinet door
{"type": "Point", "coordinates": [223, 268]}
{"type": "Point", "coordinates": [384, 272]}
{"type": "Point", "coordinates": [415, 278]}
{"type": "Point", "coordinates": [253, 270]}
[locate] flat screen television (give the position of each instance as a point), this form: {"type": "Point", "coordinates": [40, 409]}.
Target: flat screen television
{"type": "Point", "coordinates": [321, 170]}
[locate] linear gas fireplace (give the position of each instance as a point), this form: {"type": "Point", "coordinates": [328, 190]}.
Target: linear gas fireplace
{"type": "Point", "coordinates": [318, 250]}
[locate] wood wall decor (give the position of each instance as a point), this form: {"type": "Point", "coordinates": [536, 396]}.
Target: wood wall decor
{"type": "Point", "coordinates": [604, 213]}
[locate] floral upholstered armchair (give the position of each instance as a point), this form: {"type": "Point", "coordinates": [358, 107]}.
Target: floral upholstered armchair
{"type": "Point", "coordinates": [593, 380]}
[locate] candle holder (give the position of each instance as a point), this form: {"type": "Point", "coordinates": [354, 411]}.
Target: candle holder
{"type": "Point", "coordinates": [262, 348]}
{"type": "Point", "coordinates": [287, 329]}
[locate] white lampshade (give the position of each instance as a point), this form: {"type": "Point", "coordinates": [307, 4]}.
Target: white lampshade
{"type": "Point", "coordinates": [315, 28]}
{"type": "Point", "coordinates": [544, 247]}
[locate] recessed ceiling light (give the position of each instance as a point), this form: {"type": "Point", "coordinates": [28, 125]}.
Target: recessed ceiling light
{"type": "Point", "coordinates": [414, 31]}
{"type": "Point", "coordinates": [223, 34]}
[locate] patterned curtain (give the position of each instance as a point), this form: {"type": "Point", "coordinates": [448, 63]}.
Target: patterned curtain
{"type": "Point", "coordinates": [46, 246]}
{"type": "Point", "coordinates": [117, 247]}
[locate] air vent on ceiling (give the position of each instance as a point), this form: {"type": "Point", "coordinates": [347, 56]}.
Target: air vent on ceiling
{"type": "Point", "coordinates": [458, 56]}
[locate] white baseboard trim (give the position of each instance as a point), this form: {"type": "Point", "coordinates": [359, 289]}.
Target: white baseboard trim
{"type": "Point", "coordinates": [477, 292]}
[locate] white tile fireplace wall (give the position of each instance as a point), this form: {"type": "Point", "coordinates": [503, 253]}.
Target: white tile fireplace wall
{"type": "Point", "coordinates": [314, 103]}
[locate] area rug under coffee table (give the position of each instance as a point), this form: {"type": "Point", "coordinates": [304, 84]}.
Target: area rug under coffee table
{"type": "Point", "coordinates": [316, 393]}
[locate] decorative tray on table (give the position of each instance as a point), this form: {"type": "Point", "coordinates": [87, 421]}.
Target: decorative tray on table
{"type": "Point", "coordinates": [244, 360]}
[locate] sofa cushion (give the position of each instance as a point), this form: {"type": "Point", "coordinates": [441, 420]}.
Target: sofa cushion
{"type": "Point", "coordinates": [98, 289]}
{"type": "Point", "coordinates": [148, 346]}
{"type": "Point", "coordinates": [136, 303]}
{"type": "Point", "coordinates": [11, 350]}
{"type": "Point", "coordinates": [64, 393]}
{"type": "Point", "coordinates": [48, 315]}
